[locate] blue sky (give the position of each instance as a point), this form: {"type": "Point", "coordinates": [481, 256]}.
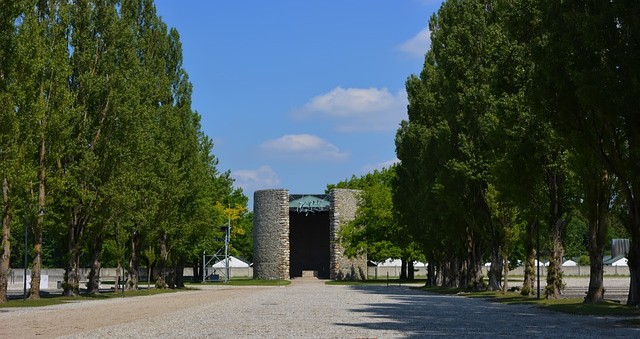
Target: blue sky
{"type": "Point", "coordinates": [300, 94]}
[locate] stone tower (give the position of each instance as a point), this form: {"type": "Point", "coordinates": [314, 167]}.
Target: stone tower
{"type": "Point", "coordinates": [271, 234]}
{"type": "Point", "coordinates": [344, 205]}
{"type": "Point", "coordinates": [271, 230]}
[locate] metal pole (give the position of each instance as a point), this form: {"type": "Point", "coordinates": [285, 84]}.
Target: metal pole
{"type": "Point", "coordinates": [26, 234]}
{"type": "Point", "coordinates": [226, 247]}
{"type": "Point", "coordinates": [123, 281]}
{"type": "Point", "coordinates": [538, 255]}
{"type": "Point", "coordinates": [204, 257]}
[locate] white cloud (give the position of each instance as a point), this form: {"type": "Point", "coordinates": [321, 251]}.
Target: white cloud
{"type": "Point", "coordinates": [385, 164]}
{"type": "Point", "coordinates": [418, 45]}
{"type": "Point", "coordinates": [261, 178]}
{"type": "Point", "coordinates": [358, 109]}
{"type": "Point", "coordinates": [305, 147]}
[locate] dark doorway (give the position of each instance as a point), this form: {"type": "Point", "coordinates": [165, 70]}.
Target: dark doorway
{"type": "Point", "coordinates": [309, 243]}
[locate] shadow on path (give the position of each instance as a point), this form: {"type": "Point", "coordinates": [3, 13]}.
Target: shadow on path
{"type": "Point", "coordinates": [417, 313]}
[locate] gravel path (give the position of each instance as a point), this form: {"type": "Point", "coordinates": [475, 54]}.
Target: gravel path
{"type": "Point", "coordinates": [306, 308]}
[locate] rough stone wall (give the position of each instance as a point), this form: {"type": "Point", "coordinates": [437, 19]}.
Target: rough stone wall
{"type": "Point", "coordinates": [271, 234]}
{"type": "Point", "coordinates": [344, 204]}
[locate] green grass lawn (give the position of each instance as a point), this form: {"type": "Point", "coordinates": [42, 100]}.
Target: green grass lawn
{"type": "Point", "coordinates": [564, 305]}
{"type": "Point", "coordinates": [56, 299]}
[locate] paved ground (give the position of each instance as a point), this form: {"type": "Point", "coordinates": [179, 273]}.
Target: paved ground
{"type": "Point", "coordinates": [306, 308]}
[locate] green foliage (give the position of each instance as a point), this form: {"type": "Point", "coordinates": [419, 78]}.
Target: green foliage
{"type": "Point", "coordinates": [511, 123]}
{"type": "Point", "coordinates": [587, 71]}
{"type": "Point", "coordinates": [374, 231]}
{"type": "Point", "coordinates": [465, 153]}
{"type": "Point", "coordinates": [128, 172]}
{"type": "Point", "coordinates": [577, 237]}
{"type": "Point", "coordinates": [584, 260]}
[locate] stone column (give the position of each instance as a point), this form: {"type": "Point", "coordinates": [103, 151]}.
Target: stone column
{"type": "Point", "coordinates": [271, 234]}
{"type": "Point", "coordinates": [344, 204]}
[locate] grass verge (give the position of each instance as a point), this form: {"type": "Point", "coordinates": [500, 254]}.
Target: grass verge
{"type": "Point", "coordinates": [564, 305]}
{"type": "Point", "coordinates": [48, 300]}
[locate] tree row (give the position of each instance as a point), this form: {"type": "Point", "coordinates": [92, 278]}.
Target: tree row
{"type": "Point", "coordinates": [522, 125]}
{"type": "Point", "coordinates": [524, 116]}
{"type": "Point", "coordinates": [102, 159]}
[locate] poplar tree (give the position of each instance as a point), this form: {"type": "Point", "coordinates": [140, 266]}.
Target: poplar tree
{"type": "Point", "coordinates": [100, 145]}
{"type": "Point", "coordinates": [11, 151]}
{"type": "Point", "coordinates": [459, 63]}
{"type": "Point", "coordinates": [44, 104]}
{"type": "Point", "coordinates": [587, 79]}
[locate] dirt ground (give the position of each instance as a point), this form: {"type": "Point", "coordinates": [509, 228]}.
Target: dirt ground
{"type": "Point", "coordinates": [81, 318]}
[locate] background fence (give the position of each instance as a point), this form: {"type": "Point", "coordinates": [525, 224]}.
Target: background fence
{"type": "Point", "coordinates": [421, 272]}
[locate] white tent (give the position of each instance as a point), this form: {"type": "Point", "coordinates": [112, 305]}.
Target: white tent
{"type": "Point", "coordinates": [620, 262]}
{"type": "Point", "coordinates": [569, 263]}
{"type": "Point", "coordinates": [233, 262]}
{"type": "Point", "coordinates": [542, 264]}
{"type": "Point", "coordinates": [390, 263]}
{"type": "Point", "coordinates": [398, 263]}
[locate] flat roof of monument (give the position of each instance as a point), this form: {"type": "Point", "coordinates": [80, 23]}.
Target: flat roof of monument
{"type": "Point", "coordinates": [305, 203]}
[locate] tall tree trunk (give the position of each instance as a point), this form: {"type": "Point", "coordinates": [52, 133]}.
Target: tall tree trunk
{"type": "Point", "coordinates": [470, 272]}
{"type": "Point", "coordinates": [444, 273]}
{"type": "Point", "coordinates": [149, 275]}
{"type": "Point", "coordinates": [473, 277]}
{"type": "Point", "coordinates": [633, 205]}
{"type": "Point", "coordinates": [431, 273]}
{"type": "Point", "coordinates": [529, 263]}
{"type": "Point", "coordinates": [179, 274]}
{"type": "Point", "coordinates": [162, 262]}
{"type": "Point", "coordinates": [474, 274]}
{"type": "Point", "coordinates": [454, 273]}
{"type": "Point", "coordinates": [554, 270]}
{"type": "Point", "coordinates": [410, 270]}
{"type": "Point", "coordinates": [633, 257]}
{"type": "Point", "coordinates": [633, 298]}
{"type": "Point", "coordinates": [461, 271]}
{"type": "Point", "coordinates": [495, 271]}
{"type": "Point", "coordinates": [93, 285]}
{"type": "Point", "coordinates": [118, 277]}
{"type": "Point", "coordinates": [196, 271]}
{"type": "Point", "coordinates": [36, 267]}
{"type": "Point", "coordinates": [134, 263]}
{"type": "Point", "coordinates": [595, 293]}
{"type": "Point", "coordinates": [5, 246]}
{"type": "Point", "coordinates": [555, 284]}
{"type": "Point", "coordinates": [558, 224]}
{"type": "Point", "coordinates": [598, 204]}
{"type": "Point", "coordinates": [462, 274]}
{"type": "Point", "coordinates": [72, 271]}
{"type": "Point", "coordinates": [505, 275]}
{"type": "Point", "coordinates": [403, 269]}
